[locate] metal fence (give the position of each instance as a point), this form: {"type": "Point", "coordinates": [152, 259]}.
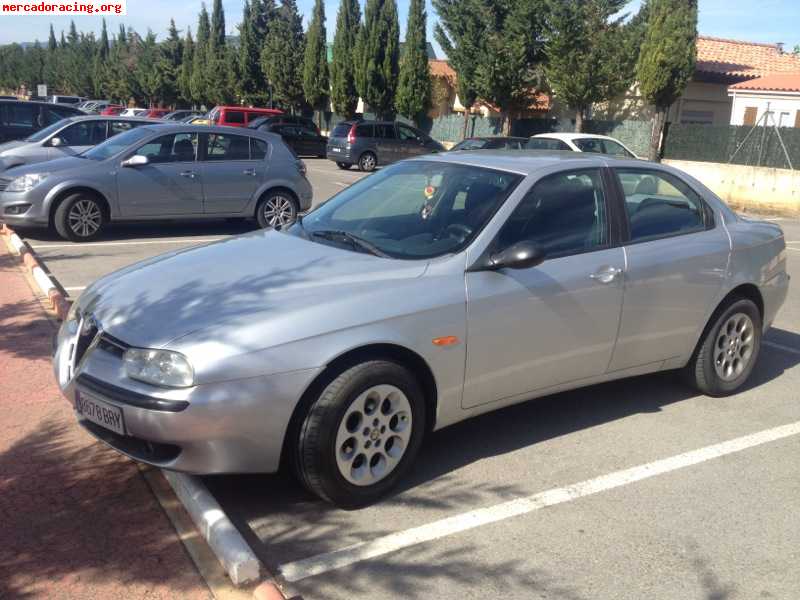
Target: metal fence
{"type": "Point", "coordinates": [741, 145]}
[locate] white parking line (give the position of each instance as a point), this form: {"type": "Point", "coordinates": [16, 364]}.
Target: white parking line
{"type": "Point", "coordinates": [75, 288]}
{"type": "Point", "coordinates": [793, 249]}
{"type": "Point", "coordinates": [93, 244]}
{"type": "Point", "coordinates": [781, 347]}
{"type": "Point", "coordinates": [315, 565]}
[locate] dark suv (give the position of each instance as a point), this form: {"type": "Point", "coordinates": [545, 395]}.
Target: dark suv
{"type": "Point", "coordinates": [20, 119]}
{"type": "Point", "coordinates": [372, 143]}
{"type": "Point", "coordinates": [264, 123]}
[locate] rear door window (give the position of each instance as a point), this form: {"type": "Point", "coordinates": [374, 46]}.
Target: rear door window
{"type": "Point", "coordinates": [615, 149]}
{"type": "Point", "coordinates": [21, 115]}
{"type": "Point", "coordinates": [592, 145]}
{"type": "Point", "coordinates": [386, 131]}
{"type": "Point", "coordinates": [53, 114]}
{"type": "Point", "coordinates": [258, 149]}
{"type": "Point", "coordinates": [85, 133]}
{"type": "Point", "coordinates": [660, 205]}
{"type": "Point", "coordinates": [406, 133]}
{"type": "Point", "coordinates": [365, 131]}
{"type": "Point", "coordinates": [225, 147]}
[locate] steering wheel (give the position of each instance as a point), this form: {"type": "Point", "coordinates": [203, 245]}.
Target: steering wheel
{"type": "Point", "coordinates": [457, 230]}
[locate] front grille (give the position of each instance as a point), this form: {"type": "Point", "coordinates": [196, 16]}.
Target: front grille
{"type": "Point", "coordinates": [88, 331]}
{"type": "Point", "coordinates": [4, 181]}
{"type": "Point", "coordinates": [112, 345]}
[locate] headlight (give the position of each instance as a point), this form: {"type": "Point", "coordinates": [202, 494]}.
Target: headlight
{"type": "Point", "coordinates": [158, 367]}
{"type": "Point", "coordinates": [72, 315]}
{"type": "Point", "coordinates": [26, 183]}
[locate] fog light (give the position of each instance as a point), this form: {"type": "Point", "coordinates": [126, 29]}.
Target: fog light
{"type": "Point", "coordinates": [17, 209]}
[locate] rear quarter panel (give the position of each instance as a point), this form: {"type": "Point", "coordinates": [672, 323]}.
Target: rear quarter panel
{"type": "Point", "coordinates": [759, 257]}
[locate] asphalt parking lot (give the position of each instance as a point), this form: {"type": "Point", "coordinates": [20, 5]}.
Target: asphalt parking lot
{"type": "Point", "coordinates": [622, 490]}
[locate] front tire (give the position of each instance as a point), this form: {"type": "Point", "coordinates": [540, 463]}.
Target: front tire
{"type": "Point", "coordinates": [361, 434]}
{"type": "Point", "coordinates": [728, 350]}
{"type": "Point", "coordinates": [276, 210]}
{"type": "Point", "coordinates": [80, 218]}
{"type": "Point", "coordinates": [367, 162]}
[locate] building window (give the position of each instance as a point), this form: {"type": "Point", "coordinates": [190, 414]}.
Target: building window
{"type": "Point", "coordinates": [750, 114]}
{"type": "Point", "coordinates": [699, 117]}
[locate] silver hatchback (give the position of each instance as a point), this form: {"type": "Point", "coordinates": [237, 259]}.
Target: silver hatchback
{"type": "Point", "coordinates": [432, 291]}
{"type": "Point", "coordinates": [67, 137]}
{"type": "Point", "coordinates": [160, 172]}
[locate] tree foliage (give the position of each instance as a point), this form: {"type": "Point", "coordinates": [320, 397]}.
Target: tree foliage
{"type": "Point", "coordinates": [667, 58]}
{"type": "Point", "coordinates": [344, 95]}
{"type": "Point", "coordinates": [414, 87]}
{"type": "Point", "coordinates": [316, 85]}
{"type": "Point", "coordinates": [282, 56]}
{"type": "Point", "coordinates": [378, 55]}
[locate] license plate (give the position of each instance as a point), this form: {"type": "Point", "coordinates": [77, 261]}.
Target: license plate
{"type": "Point", "coordinates": [336, 149]}
{"type": "Point", "coordinates": [99, 412]}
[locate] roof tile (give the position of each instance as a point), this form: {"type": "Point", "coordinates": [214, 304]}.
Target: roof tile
{"type": "Point", "coordinates": [742, 60]}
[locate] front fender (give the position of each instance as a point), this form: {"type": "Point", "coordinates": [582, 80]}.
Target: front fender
{"type": "Point", "coordinates": [106, 189]}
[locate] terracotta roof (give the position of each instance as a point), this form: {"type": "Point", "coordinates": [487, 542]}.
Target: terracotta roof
{"type": "Point", "coordinates": [442, 68]}
{"type": "Point", "coordinates": [777, 82]}
{"type": "Point", "coordinates": [742, 60]}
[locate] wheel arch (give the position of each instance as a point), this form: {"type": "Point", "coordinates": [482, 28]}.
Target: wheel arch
{"type": "Point", "coordinates": [274, 188]}
{"type": "Point", "coordinates": [64, 193]}
{"type": "Point", "coordinates": [395, 352]}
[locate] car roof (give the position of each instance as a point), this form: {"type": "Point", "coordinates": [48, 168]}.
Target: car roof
{"type": "Point", "coordinates": [167, 127]}
{"type": "Point", "coordinates": [79, 118]}
{"type": "Point", "coordinates": [573, 136]}
{"type": "Point", "coordinates": [526, 162]}
{"type": "Point", "coordinates": [38, 103]}
{"type": "Point", "coordinates": [495, 137]}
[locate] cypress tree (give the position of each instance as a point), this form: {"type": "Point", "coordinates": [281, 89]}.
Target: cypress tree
{"type": "Point", "coordinates": [378, 54]}
{"type": "Point", "coordinates": [99, 75]}
{"type": "Point", "coordinates": [315, 61]}
{"type": "Point", "coordinates": [168, 65]}
{"type": "Point", "coordinates": [414, 88]}
{"type": "Point", "coordinates": [251, 84]}
{"type": "Point", "coordinates": [667, 59]}
{"type": "Point", "coordinates": [148, 75]}
{"type": "Point", "coordinates": [185, 75]}
{"type": "Point", "coordinates": [586, 52]}
{"type": "Point", "coordinates": [342, 70]}
{"type": "Point", "coordinates": [510, 62]}
{"type": "Point", "coordinates": [218, 60]}
{"type": "Point", "coordinates": [460, 33]}
{"type": "Point", "coordinates": [51, 61]}
{"type": "Point", "coordinates": [282, 56]}
{"type": "Point", "coordinates": [199, 90]}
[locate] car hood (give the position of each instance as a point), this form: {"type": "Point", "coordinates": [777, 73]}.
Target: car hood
{"type": "Point", "coordinates": [8, 147]}
{"type": "Point", "coordinates": [52, 166]}
{"type": "Point", "coordinates": [234, 283]}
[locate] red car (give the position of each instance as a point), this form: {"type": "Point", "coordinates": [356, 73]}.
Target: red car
{"type": "Point", "coordinates": [111, 110]}
{"type": "Point", "coordinates": [239, 116]}
{"type": "Point", "coordinates": [156, 113]}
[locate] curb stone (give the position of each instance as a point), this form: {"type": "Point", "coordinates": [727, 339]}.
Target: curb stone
{"type": "Point", "coordinates": [55, 295]}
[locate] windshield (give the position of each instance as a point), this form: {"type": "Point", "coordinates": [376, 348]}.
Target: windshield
{"type": "Point", "coordinates": [116, 144]}
{"type": "Point", "coordinates": [411, 210]}
{"type": "Point", "coordinates": [43, 134]}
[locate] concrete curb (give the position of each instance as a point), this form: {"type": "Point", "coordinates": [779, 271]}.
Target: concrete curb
{"type": "Point", "coordinates": [225, 540]}
{"type": "Point", "coordinates": [53, 292]}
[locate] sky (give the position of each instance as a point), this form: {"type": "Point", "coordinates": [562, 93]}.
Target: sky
{"type": "Point", "coordinates": [763, 21]}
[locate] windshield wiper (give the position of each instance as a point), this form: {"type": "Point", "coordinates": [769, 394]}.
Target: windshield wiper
{"type": "Point", "coordinates": [355, 242]}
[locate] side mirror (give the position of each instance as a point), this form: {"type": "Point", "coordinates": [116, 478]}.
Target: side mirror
{"type": "Point", "coordinates": [56, 142]}
{"type": "Point", "coordinates": [136, 160]}
{"type": "Point", "coordinates": [522, 255]}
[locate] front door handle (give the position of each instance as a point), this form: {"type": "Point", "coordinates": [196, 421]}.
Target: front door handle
{"type": "Point", "coordinates": [189, 174]}
{"type": "Point", "coordinates": [607, 275]}
{"type": "Point", "coordinates": [251, 172]}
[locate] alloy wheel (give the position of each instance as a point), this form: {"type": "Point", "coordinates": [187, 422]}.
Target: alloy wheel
{"type": "Point", "coordinates": [279, 212]}
{"type": "Point", "coordinates": [734, 347]}
{"type": "Point", "coordinates": [373, 435]}
{"type": "Point", "coordinates": [85, 218]}
{"type": "Point", "coordinates": [367, 162]}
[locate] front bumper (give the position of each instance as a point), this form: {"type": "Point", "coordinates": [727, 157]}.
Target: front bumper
{"type": "Point", "coordinates": [227, 427]}
{"type": "Point", "coordinates": [31, 204]}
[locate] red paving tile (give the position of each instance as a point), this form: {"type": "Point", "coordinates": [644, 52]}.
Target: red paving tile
{"type": "Point", "coordinates": [77, 521]}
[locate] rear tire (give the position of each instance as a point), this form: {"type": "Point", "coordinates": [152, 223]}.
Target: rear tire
{"type": "Point", "coordinates": [728, 350]}
{"type": "Point", "coordinates": [276, 210]}
{"type": "Point", "coordinates": [343, 166]}
{"type": "Point", "coordinates": [80, 217]}
{"type": "Point", "coordinates": [367, 162]}
{"type": "Point", "coordinates": [361, 434]}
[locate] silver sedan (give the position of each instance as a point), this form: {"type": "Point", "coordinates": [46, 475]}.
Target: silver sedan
{"type": "Point", "coordinates": [430, 292]}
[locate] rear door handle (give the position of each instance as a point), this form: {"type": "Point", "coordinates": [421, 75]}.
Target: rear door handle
{"type": "Point", "coordinates": [189, 174]}
{"type": "Point", "coordinates": [251, 172]}
{"type": "Point", "coordinates": [607, 275]}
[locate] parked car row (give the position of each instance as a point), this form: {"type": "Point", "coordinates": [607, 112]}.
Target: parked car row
{"type": "Point", "coordinates": [20, 119]}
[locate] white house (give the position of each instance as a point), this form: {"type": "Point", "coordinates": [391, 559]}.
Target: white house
{"type": "Point", "coordinates": [777, 94]}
